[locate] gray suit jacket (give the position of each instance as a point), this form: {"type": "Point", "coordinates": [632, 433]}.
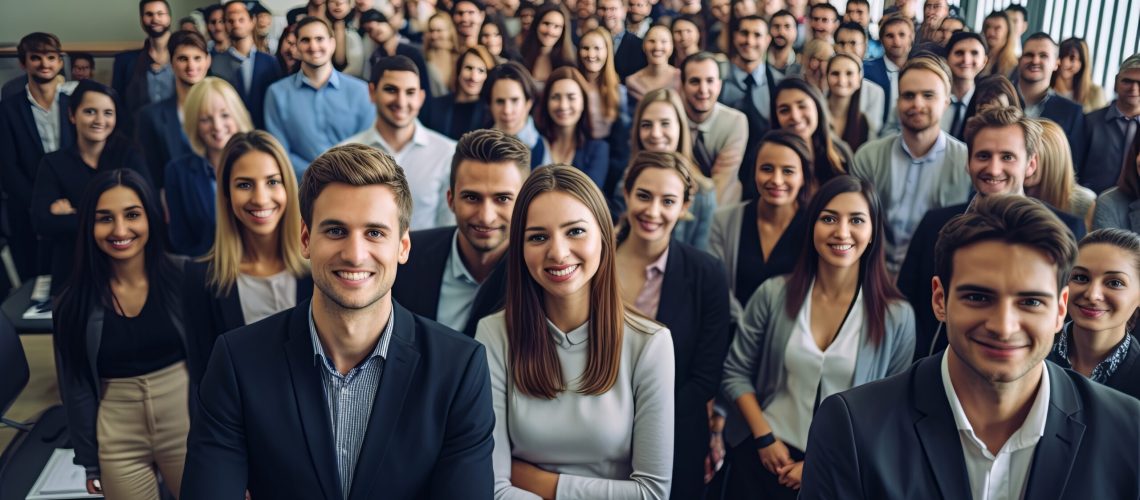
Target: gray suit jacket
{"type": "Point", "coordinates": [1115, 209]}
{"type": "Point", "coordinates": [755, 360]}
{"type": "Point", "coordinates": [1104, 138]}
{"type": "Point", "coordinates": [724, 241]}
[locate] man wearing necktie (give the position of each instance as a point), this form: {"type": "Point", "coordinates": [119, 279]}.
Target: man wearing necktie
{"type": "Point", "coordinates": [966, 56]}
{"type": "Point", "coordinates": [720, 133]}
{"type": "Point", "coordinates": [749, 82]}
{"type": "Point", "coordinates": [1109, 131]}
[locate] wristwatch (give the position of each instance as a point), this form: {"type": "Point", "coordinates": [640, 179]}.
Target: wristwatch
{"type": "Point", "coordinates": [764, 441]}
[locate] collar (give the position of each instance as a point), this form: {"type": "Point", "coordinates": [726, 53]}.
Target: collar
{"type": "Point", "coordinates": [966, 98]}
{"type": "Point", "coordinates": [939, 146]}
{"type": "Point", "coordinates": [707, 125]}
{"type": "Point", "coordinates": [372, 137]}
{"type": "Point", "coordinates": [455, 264]}
{"type": "Point", "coordinates": [380, 351]}
{"type": "Point", "coordinates": [890, 65]}
{"type": "Point", "coordinates": [1103, 370]}
{"type": "Point", "coordinates": [233, 52]}
{"type": "Point", "coordinates": [1049, 93]}
{"type": "Point", "coordinates": [657, 267]}
{"type": "Point", "coordinates": [300, 79]}
{"type": "Point", "coordinates": [577, 336]}
{"type": "Point", "coordinates": [529, 134]}
{"type": "Point", "coordinates": [759, 74]}
{"type": "Point", "coordinates": [1114, 113]}
{"type": "Point", "coordinates": [59, 90]}
{"type": "Point", "coordinates": [1031, 429]}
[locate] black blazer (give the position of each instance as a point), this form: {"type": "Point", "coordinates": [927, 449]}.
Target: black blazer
{"type": "Point", "coordinates": [1071, 117]}
{"type": "Point", "coordinates": [441, 118]}
{"type": "Point", "coordinates": [918, 269]}
{"type": "Point", "coordinates": [896, 438]}
{"type": "Point", "coordinates": [159, 134]}
{"type": "Point", "coordinates": [629, 57]}
{"type": "Point", "coordinates": [21, 149]}
{"type": "Point", "coordinates": [1126, 378]}
{"type": "Point", "coordinates": [418, 281]}
{"type": "Point", "coordinates": [694, 306]}
{"type": "Point", "coordinates": [263, 423]}
{"type": "Point", "coordinates": [265, 73]}
{"type": "Point", "coordinates": [209, 315]}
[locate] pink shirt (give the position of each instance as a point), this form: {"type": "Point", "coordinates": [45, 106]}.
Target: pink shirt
{"type": "Point", "coordinates": [650, 295]}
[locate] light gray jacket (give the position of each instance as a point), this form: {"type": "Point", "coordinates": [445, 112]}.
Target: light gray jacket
{"type": "Point", "coordinates": [724, 241]}
{"type": "Point", "coordinates": [1114, 209]}
{"type": "Point", "coordinates": [755, 361]}
{"type": "Point", "coordinates": [873, 163]}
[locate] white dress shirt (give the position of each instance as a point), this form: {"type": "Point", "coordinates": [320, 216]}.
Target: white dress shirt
{"type": "Point", "coordinates": [426, 161]}
{"type": "Point", "coordinates": [47, 120]}
{"type": "Point", "coordinates": [1003, 476]}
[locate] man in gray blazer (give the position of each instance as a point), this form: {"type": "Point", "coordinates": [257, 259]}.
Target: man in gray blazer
{"type": "Point", "coordinates": [920, 168]}
{"type": "Point", "coordinates": [1107, 130]}
{"type": "Point", "coordinates": [720, 133]}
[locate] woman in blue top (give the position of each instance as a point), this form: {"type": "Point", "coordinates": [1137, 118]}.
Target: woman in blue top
{"type": "Point", "coordinates": [212, 114]}
{"type": "Point", "coordinates": [564, 121]}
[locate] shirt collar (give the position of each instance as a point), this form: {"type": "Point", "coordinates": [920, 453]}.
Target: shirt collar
{"type": "Point", "coordinates": [529, 134]}
{"type": "Point", "coordinates": [1031, 429]}
{"type": "Point", "coordinates": [373, 138]}
{"type": "Point", "coordinates": [571, 338]}
{"type": "Point", "coordinates": [58, 90]}
{"type": "Point", "coordinates": [658, 266]}
{"type": "Point", "coordinates": [455, 264]}
{"type": "Point", "coordinates": [233, 52]}
{"type": "Point", "coordinates": [758, 74]}
{"type": "Point", "coordinates": [1114, 113]}
{"type": "Point", "coordinates": [891, 67]}
{"type": "Point", "coordinates": [966, 98]}
{"type": "Point", "coordinates": [939, 146]}
{"type": "Point", "coordinates": [300, 79]}
{"type": "Point", "coordinates": [380, 351]}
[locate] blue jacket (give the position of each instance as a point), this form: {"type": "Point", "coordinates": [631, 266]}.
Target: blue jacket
{"type": "Point", "coordinates": [876, 71]}
{"type": "Point", "coordinates": [161, 137]}
{"type": "Point", "coordinates": [190, 188]}
{"type": "Point", "coordinates": [593, 158]}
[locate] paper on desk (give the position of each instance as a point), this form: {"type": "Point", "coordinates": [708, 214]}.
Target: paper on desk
{"type": "Point", "coordinates": [40, 300]}
{"type": "Point", "coordinates": [61, 479]}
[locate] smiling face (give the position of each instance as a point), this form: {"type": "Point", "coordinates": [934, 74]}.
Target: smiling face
{"type": "Point", "coordinates": [189, 64]}
{"type": "Point", "coordinates": [783, 29]}
{"type": "Point", "coordinates": [472, 75]}
{"type": "Point", "coordinates": [42, 67]}
{"type": "Point", "coordinates": [467, 19]}
{"type": "Point", "coordinates": [398, 99]}
{"type": "Point", "coordinates": [897, 40]}
{"type": "Point", "coordinates": [779, 175]}
{"type": "Point", "coordinates": [1128, 89]}
{"type": "Point", "coordinates": [1070, 65]}
{"type": "Point", "coordinates": [857, 13]}
{"type": "Point", "coordinates": [592, 53]}
{"type": "Point", "coordinates": [355, 245]}
{"type": "Point", "coordinates": [843, 231]}
{"type": "Point", "coordinates": [702, 86]}
{"type": "Point", "coordinates": [257, 193]}
{"type": "Point", "coordinates": [565, 102]}
{"type": "Point", "coordinates": [658, 45]}
{"type": "Point", "coordinates": [923, 98]}
{"type": "Point", "coordinates": [550, 29]}
{"type": "Point", "coordinates": [509, 106]}
{"type": "Point", "coordinates": [613, 15]}
{"type": "Point", "coordinates": [998, 162]}
{"type": "Point", "coordinates": [490, 37]}
{"type": "Point", "coordinates": [121, 227]}
{"type": "Point", "coordinates": [95, 117]}
{"type": "Point", "coordinates": [81, 69]}
{"type": "Point", "coordinates": [797, 112]}
{"type": "Point", "coordinates": [216, 26]}
{"type": "Point", "coordinates": [843, 77]}
{"type": "Point", "coordinates": [750, 40]}
{"type": "Point", "coordinates": [1038, 61]}
{"type": "Point", "coordinates": [966, 59]}
{"type": "Point", "coordinates": [1001, 309]}
{"type": "Point", "coordinates": [655, 204]}
{"type": "Point", "coordinates": [638, 10]}
{"type": "Point", "coordinates": [338, 9]}
{"type": "Point", "coordinates": [562, 246]}
{"type": "Point", "coordinates": [482, 200]}
{"type": "Point", "coordinates": [1104, 290]}
{"type": "Point", "coordinates": [659, 128]}
{"type": "Point", "coordinates": [155, 19]}
{"type": "Point", "coordinates": [315, 45]}
{"type": "Point", "coordinates": [822, 23]}
{"type": "Point", "coordinates": [216, 123]}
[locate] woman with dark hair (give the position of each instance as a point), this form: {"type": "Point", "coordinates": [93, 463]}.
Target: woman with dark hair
{"type": "Point", "coordinates": [844, 93]}
{"type": "Point", "coordinates": [992, 91]}
{"type": "Point", "coordinates": [1117, 206]}
{"type": "Point", "coordinates": [287, 51]}
{"type": "Point", "coordinates": [582, 385]}
{"type": "Point", "coordinates": [509, 93]}
{"type": "Point", "coordinates": [494, 36]}
{"type": "Point", "coordinates": [688, 30]}
{"type": "Point", "coordinates": [836, 322]}
{"type": "Point", "coordinates": [761, 238]}
{"type": "Point", "coordinates": [684, 289]}
{"type": "Point", "coordinates": [798, 107]}
{"type": "Point", "coordinates": [1104, 297]}
{"type": "Point", "coordinates": [462, 111]}
{"type": "Point", "coordinates": [63, 175]}
{"type": "Point", "coordinates": [124, 356]}
{"type": "Point", "coordinates": [1073, 78]}
{"type": "Point", "coordinates": [564, 120]}
{"type": "Point", "coordinates": [548, 45]}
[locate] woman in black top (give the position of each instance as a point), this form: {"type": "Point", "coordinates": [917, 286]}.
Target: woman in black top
{"type": "Point", "coordinates": [64, 174]}
{"type": "Point", "coordinates": [122, 350]}
{"type": "Point", "coordinates": [462, 111]}
{"type": "Point", "coordinates": [1104, 298]}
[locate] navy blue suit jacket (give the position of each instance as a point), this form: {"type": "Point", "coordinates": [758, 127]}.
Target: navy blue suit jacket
{"type": "Point", "coordinates": [876, 71]}
{"type": "Point", "coordinates": [123, 71]}
{"type": "Point", "coordinates": [1071, 117]}
{"type": "Point", "coordinates": [263, 424]}
{"type": "Point", "coordinates": [896, 438]}
{"type": "Point", "coordinates": [160, 135]}
{"type": "Point", "coordinates": [441, 118]}
{"type": "Point", "coordinates": [593, 158]}
{"type": "Point", "coordinates": [629, 56]}
{"type": "Point", "coordinates": [265, 72]}
{"type": "Point", "coordinates": [21, 149]}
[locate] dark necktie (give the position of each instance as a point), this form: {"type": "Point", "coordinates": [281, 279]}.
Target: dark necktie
{"type": "Point", "coordinates": [701, 153]}
{"type": "Point", "coordinates": [956, 125]}
{"type": "Point", "coordinates": [749, 101]}
{"type": "Point", "coordinates": [1130, 125]}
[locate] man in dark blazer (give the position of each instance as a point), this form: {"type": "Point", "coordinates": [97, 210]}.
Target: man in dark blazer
{"type": "Point", "coordinates": [1039, 60]}
{"type": "Point", "coordinates": [250, 83]}
{"type": "Point", "coordinates": [159, 132]}
{"type": "Point", "coordinates": [144, 76]}
{"type": "Point", "coordinates": [897, 34]}
{"type": "Point", "coordinates": [456, 275]}
{"type": "Point", "coordinates": [40, 105]}
{"type": "Point", "coordinates": [1106, 130]}
{"type": "Point", "coordinates": [349, 395]}
{"type": "Point", "coordinates": [629, 57]}
{"type": "Point", "coordinates": [990, 417]}
{"type": "Point", "coordinates": [990, 135]}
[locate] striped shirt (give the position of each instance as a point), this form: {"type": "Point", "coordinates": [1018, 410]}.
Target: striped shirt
{"type": "Point", "coordinates": [350, 399]}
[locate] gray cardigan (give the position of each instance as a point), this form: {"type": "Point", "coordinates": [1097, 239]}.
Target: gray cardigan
{"type": "Point", "coordinates": [724, 241]}
{"type": "Point", "coordinates": [1114, 209]}
{"type": "Point", "coordinates": [873, 163]}
{"type": "Point", "coordinates": [755, 361]}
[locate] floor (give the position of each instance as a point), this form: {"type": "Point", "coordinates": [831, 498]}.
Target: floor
{"type": "Point", "coordinates": [41, 392]}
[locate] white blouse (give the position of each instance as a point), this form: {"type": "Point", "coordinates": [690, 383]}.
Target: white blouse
{"type": "Point", "coordinates": [615, 445]}
{"type": "Point", "coordinates": [262, 297]}
{"type": "Point", "coordinates": [809, 369]}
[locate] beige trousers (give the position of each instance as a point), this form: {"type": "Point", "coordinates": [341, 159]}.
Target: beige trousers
{"type": "Point", "coordinates": [142, 426]}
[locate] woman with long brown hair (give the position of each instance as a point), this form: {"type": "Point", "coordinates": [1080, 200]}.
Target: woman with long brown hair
{"type": "Point", "coordinates": [564, 120]}
{"type": "Point", "coordinates": [799, 107]}
{"type": "Point", "coordinates": [658, 73]}
{"type": "Point", "coordinates": [1003, 48]}
{"type": "Point", "coordinates": [1073, 78]}
{"type": "Point", "coordinates": [581, 385]}
{"type": "Point", "coordinates": [548, 45]}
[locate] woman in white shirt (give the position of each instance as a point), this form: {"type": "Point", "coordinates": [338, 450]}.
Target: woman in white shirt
{"type": "Point", "coordinates": [837, 321]}
{"type": "Point", "coordinates": [582, 387]}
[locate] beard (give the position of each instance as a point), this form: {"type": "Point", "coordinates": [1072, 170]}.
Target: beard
{"type": "Point", "coordinates": [156, 32]}
{"type": "Point", "coordinates": [779, 42]}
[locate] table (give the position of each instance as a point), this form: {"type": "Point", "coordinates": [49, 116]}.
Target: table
{"type": "Point", "coordinates": [18, 302]}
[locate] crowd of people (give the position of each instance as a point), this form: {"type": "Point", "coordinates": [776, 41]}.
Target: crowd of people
{"type": "Point", "coordinates": [585, 249]}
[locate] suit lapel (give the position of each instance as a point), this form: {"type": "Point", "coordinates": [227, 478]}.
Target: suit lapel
{"type": "Point", "coordinates": [230, 307]}
{"type": "Point", "coordinates": [311, 404]}
{"type": "Point", "coordinates": [673, 290]}
{"type": "Point", "coordinates": [1057, 450]}
{"type": "Point", "coordinates": [395, 380]}
{"type": "Point", "coordinates": [938, 432]}
{"type": "Point", "coordinates": [30, 126]}
{"type": "Point", "coordinates": [66, 130]}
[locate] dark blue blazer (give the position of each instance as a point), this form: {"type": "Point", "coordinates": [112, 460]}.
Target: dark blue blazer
{"type": "Point", "coordinates": [1104, 142]}
{"type": "Point", "coordinates": [160, 135]}
{"type": "Point", "coordinates": [629, 56]}
{"type": "Point", "coordinates": [263, 423]}
{"type": "Point", "coordinates": [876, 71]}
{"type": "Point", "coordinates": [896, 438]}
{"type": "Point", "coordinates": [190, 191]}
{"type": "Point", "coordinates": [918, 269]}
{"type": "Point", "coordinates": [593, 158]}
{"type": "Point", "coordinates": [21, 149]}
{"type": "Point", "coordinates": [441, 118]}
{"type": "Point", "coordinates": [1071, 117]}
{"type": "Point", "coordinates": [123, 70]}
{"type": "Point", "coordinates": [265, 72]}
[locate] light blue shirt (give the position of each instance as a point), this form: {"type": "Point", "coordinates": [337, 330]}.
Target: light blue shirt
{"type": "Point", "coordinates": [246, 64]}
{"type": "Point", "coordinates": [762, 95]}
{"type": "Point", "coordinates": [456, 291]}
{"type": "Point", "coordinates": [914, 182]}
{"type": "Point", "coordinates": [308, 120]}
{"type": "Point", "coordinates": [159, 84]}
{"type": "Point", "coordinates": [529, 135]}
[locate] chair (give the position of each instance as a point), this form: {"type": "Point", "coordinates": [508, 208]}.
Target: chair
{"type": "Point", "coordinates": [14, 375]}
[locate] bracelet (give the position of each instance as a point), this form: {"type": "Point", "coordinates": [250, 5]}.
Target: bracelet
{"type": "Point", "coordinates": [764, 441]}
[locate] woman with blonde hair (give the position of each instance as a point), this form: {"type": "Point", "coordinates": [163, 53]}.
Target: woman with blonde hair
{"type": "Point", "coordinates": [607, 100]}
{"type": "Point", "coordinates": [1000, 38]}
{"type": "Point", "coordinates": [814, 58]}
{"type": "Point", "coordinates": [212, 114]}
{"type": "Point", "coordinates": [1073, 78]}
{"type": "Point", "coordinates": [1053, 182]}
{"type": "Point", "coordinates": [661, 125]}
{"type": "Point", "coordinates": [441, 50]}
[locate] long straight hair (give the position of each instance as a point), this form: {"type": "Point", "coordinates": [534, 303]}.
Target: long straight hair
{"type": "Point", "coordinates": [90, 283]}
{"type": "Point", "coordinates": [1005, 62]}
{"type": "Point", "coordinates": [562, 53]}
{"type": "Point", "coordinates": [226, 256]}
{"type": "Point", "coordinates": [534, 364]}
{"type": "Point", "coordinates": [1054, 167]}
{"type": "Point", "coordinates": [878, 288]}
{"type": "Point", "coordinates": [826, 156]}
{"type": "Point", "coordinates": [608, 81]}
{"type": "Point", "coordinates": [1082, 80]}
{"type": "Point", "coordinates": [545, 121]}
{"type": "Point", "coordinates": [856, 129]}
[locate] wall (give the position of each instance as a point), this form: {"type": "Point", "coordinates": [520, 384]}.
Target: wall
{"type": "Point", "coordinates": [80, 20]}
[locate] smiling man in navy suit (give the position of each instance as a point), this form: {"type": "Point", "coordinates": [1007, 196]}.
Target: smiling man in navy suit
{"type": "Point", "coordinates": [349, 396]}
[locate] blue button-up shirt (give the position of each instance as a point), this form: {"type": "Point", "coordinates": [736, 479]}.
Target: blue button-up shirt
{"type": "Point", "coordinates": [914, 182]}
{"type": "Point", "coordinates": [456, 291]}
{"type": "Point", "coordinates": [761, 94]}
{"type": "Point", "coordinates": [307, 120]}
{"type": "Point", "coordinates": [159, 84]}
{"type": "Point", "coordinates": [350, 398]}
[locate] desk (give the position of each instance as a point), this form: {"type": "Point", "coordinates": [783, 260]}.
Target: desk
{"type": "Point", "coordinates": [18, 302]}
